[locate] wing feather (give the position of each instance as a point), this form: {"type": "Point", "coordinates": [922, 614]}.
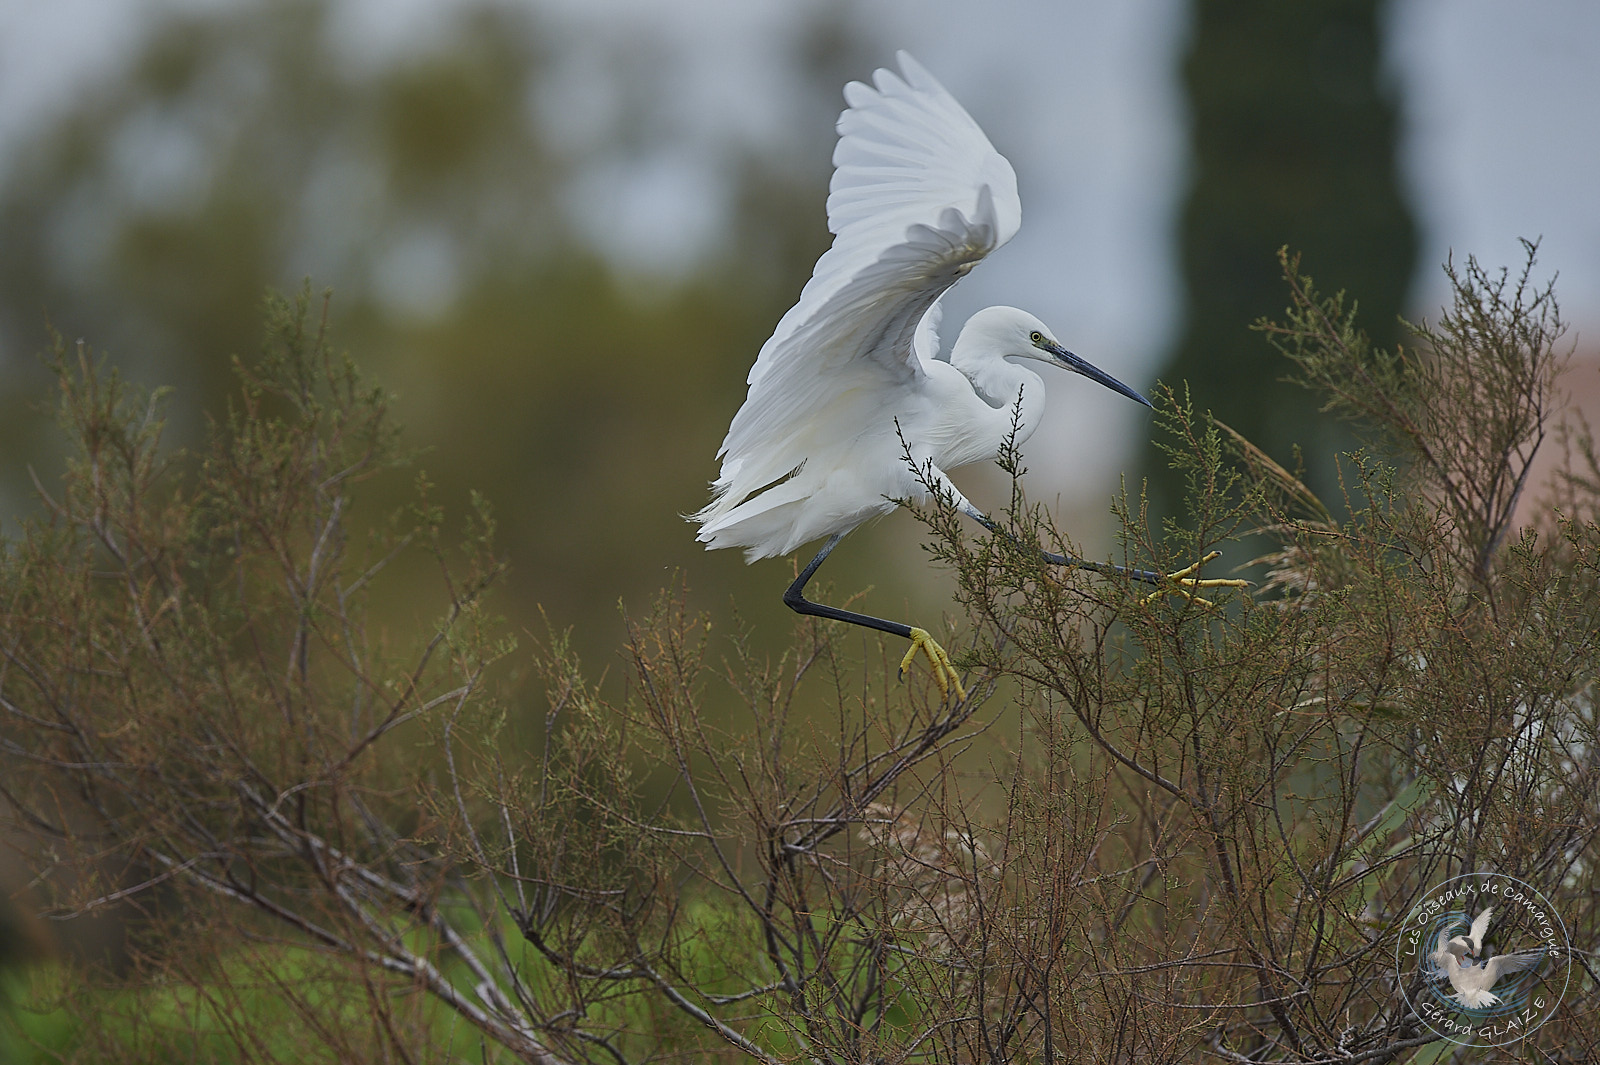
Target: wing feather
{"type": "Point", "coordinates": [1506, 964]}
{"type": "Point", "coordinates": [1480, 927]}
{"type": "Point", "coordinates": [918, 197]}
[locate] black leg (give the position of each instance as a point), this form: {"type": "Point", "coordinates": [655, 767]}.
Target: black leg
{"type": "Point", "coordinates": [795, 600]}
{"type": "Point", "coordinates": [944, 672]}
{"type": "Point", "coordinates": [1105, 568]}
{"type": "Point", "coordinates": [1174, 582]}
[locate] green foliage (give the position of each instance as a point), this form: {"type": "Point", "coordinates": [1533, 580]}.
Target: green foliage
{"type": "Point", "coordinates": [187, 641]}
{"type": "Point", "coordinates": [1293, 138]}
{"type": "Point", "coordinates": [260, 999]}
{"type": "Point", "coordinates": [1467, 411]}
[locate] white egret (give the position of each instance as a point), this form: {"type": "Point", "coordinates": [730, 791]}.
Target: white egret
{"type": "Point", "coordinates": [1473, 982]}
{"type": "Point", "coordinates": [851, 380]}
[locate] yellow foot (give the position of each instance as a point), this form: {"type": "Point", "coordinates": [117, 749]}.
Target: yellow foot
{"type": "Point", "coordinates": [1187, 583]}
{"type": "Point", "coordinates": [944, 674]}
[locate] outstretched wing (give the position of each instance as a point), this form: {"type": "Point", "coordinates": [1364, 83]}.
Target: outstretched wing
{"type": "Point", "coordinates": [1506, 964]}
{"type": "Point", "coordinates": [1441, 957]}
{"type": "Point", "coordinates": [918, 197]}
{"type": "Point", "coordinates": [1480, 926]}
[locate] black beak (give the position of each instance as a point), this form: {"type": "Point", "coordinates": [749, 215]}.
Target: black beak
{"type": "Point", "coordinates": [1094, 373]}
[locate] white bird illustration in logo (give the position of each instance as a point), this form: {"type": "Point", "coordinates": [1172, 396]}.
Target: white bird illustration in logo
{"type": "Point", "coordinates": [1473, 940]}
{"type": "Point", "coordinates": [1472, 982]}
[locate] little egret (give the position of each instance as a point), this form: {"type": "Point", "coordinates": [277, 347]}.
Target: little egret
{"type": "Point", "coordinates": [1473, 983]}
{"type": "Point", "coordinates": [850, 408]}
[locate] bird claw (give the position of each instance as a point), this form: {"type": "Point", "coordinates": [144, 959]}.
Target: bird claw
{"type": "Point", "coordinates": [944, 673]}
{"type": "Point", "coordinates": [1187, 583]}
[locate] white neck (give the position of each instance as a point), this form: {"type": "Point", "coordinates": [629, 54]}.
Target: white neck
{"type": "Point", "coordinates": [998, 382]}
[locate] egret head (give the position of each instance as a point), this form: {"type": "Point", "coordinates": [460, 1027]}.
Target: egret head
{"type": "Point", "coordinates": [1013, 334]}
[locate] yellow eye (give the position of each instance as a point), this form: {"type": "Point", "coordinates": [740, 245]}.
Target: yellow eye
{"type": "Point", "coordinates": [1036, 336]}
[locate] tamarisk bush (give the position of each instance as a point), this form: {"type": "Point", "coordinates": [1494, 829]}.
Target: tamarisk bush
{"type": "Point", "coordinates": [1155, 830]}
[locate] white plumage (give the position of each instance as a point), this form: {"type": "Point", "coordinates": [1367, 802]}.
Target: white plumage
{"type": "Point", "coordinates": [918, 197]}
{"type": "Point", "coordinates": [850, 381]}
{"type": "Point", "coordinates": [1472, 942]}
{"type": "Point", "coordinates": [1473, 983]}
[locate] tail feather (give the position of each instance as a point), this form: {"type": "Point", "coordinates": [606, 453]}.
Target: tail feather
{"type": "Point", "coordinates": [1475, 999]}
{"type": "Point", "coordinates": [763, 525]}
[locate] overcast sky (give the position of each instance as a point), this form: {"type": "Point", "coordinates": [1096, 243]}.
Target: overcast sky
{"type": "Point", "coordinates": [1501, 138]}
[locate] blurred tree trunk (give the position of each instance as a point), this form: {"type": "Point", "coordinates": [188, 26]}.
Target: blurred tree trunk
{"type": "Point", "coordinates": [1294, 133]}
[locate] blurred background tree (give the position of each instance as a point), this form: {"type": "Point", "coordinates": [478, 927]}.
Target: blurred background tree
{"type": "Point", "coordinates": [432, 190]}
{"type": "Point", "coordinates": [1294, 132]}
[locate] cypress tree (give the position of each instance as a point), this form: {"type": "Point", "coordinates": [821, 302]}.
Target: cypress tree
{"type": "Point", "coordinates": [1294, 132]}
